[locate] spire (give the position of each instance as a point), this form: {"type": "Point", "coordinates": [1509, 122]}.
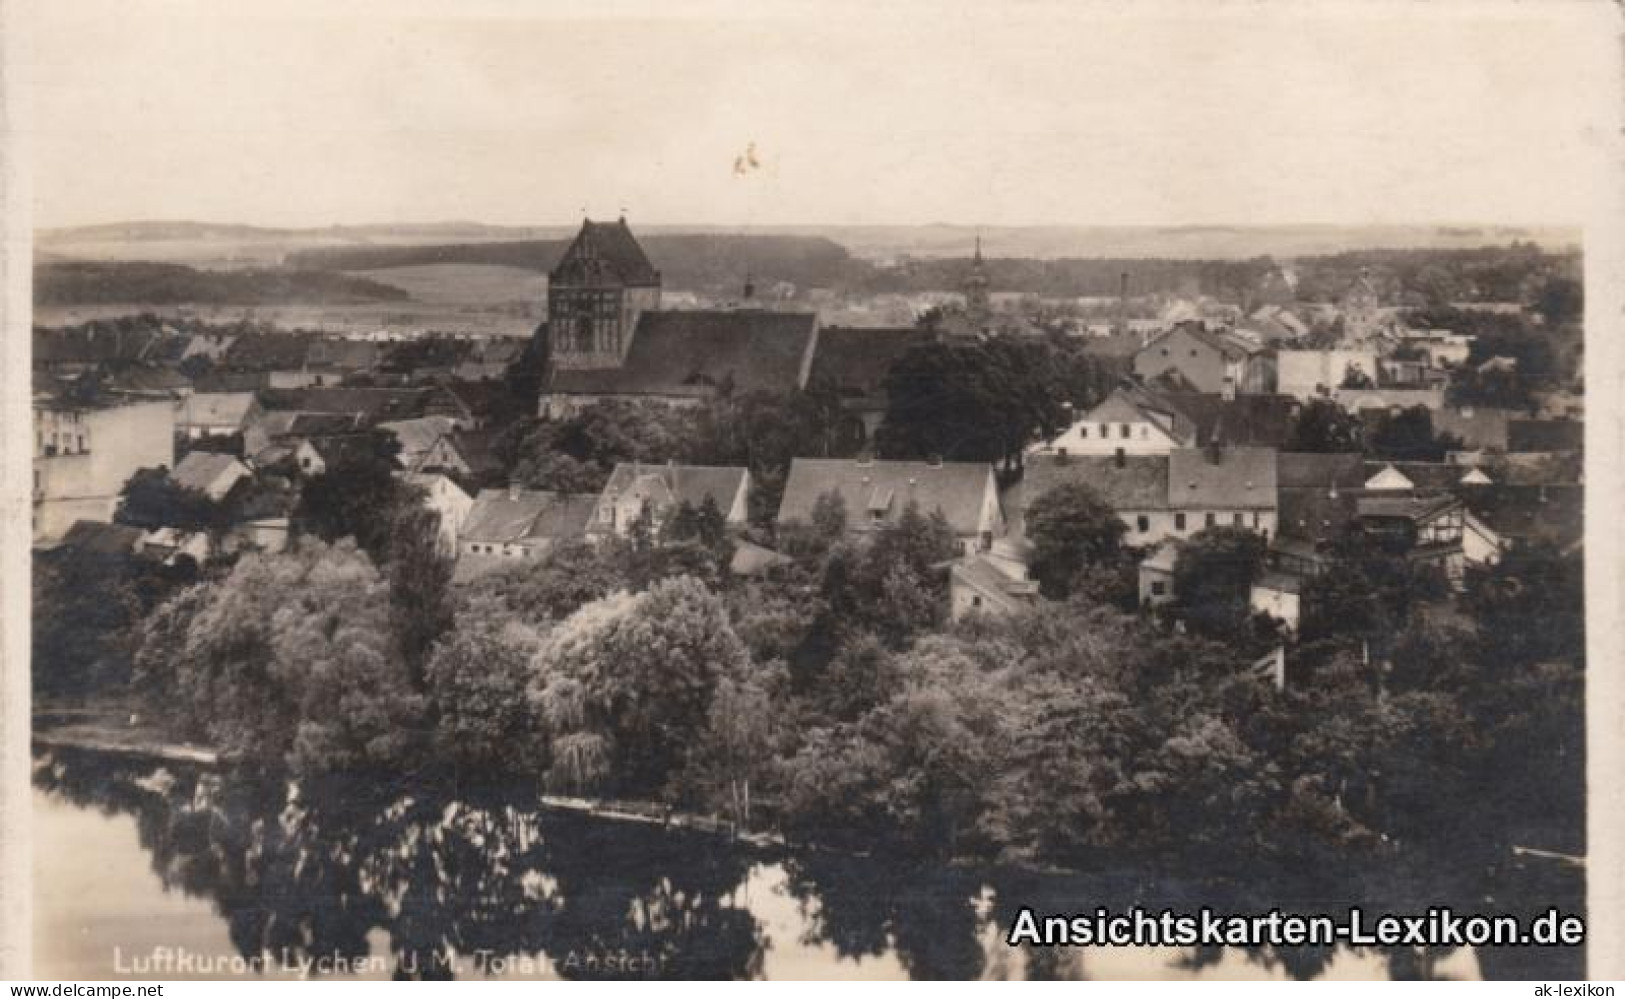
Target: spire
{"type": "Point", "coordinates": [978, 258]}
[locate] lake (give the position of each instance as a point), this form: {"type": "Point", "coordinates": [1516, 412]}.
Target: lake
{"type": "Point", "coordinates": [150, 872]}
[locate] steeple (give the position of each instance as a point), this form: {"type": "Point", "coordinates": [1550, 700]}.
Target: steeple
{"type": "Point", "coordinates": [977, 307]}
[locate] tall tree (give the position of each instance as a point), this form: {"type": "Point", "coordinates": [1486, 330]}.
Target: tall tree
{"type": "Point", "coordinates": [1070, 528]}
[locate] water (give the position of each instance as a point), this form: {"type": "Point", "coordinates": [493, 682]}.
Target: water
{"type": "Point", "coordinates": [163, 874]}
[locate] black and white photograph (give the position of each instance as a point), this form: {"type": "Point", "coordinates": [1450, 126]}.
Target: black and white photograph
{"type": "Point", "coordinates": [813, 491]}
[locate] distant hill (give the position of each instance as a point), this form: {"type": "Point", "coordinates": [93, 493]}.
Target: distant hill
{"type": "Point", "coordinates": [137, 282]}
{"type": "Point", "coordinates": [694, 261]}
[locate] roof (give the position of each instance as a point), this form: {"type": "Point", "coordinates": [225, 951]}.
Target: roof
{"type": "Point", "coordinates": [604, 253]}
{"type": "Point", "coordinates": [1554, 513]}
{"type": "Point", "coordinates": [1424, 475]}
{"type": "Point", "coordinates": [1284, 582]}
{"type": "Point", "coordinates": [1225, 478]}
{"type": "Point", "coordinates": [94, 343]}
{"type": "Point", "coordinates": [1233, 347]}
{"type": "Point", "coordinates": [477, 449]}
{"type": "Point", "coordinates": [956, 488]}
{"type": "Point", "coordinates": [856, 360]}
{"type": "Point", "coordinates": [1315, 516]}
{"type": "Point", "coordinates": [342, 448]}
{"type": "Point", "coordinates": [214, 409]}
{"type": "Point", "coordinates": [752, 559]}
{"type": "Point", "coordinates": [417, 436]}
{"type": "Point", "coordinates": [375, 404]}
{"type": "Point", "coordinates": [1545, 435]}
{"type": "Point", "coordinates": [345, 355]}
{"type": "Point", "coordinates": [1134, 482]}
{"type": "Point", "coordinates": [1417, 508]}
{"type": "Point", "coordinates": [141, 378]}
{"type": "Point", "coordinates": [1310, 469]}
{"type": "Point", "coordinates": [1164, 558]}
{"type": "Point", "coordinates": [698, 352]}
{"type": "Point", "coordinates": [268, 351]}
{"type": "Point", "coordinates": [101, 539]}
{"type": "Point", "coordinates": [323, 424]}
{"type": "Point", "coordinates": [980, 574]}
{"type": "Point", "coordinates": [1261, 420]}
{"type": "Point", "coordinates": [200, 470]}
{"type": "Point", "coordinates": [1478, 426]}
{"type": "Point", "coordinates": [503, 515]}
{"type": "Point", "coordinates": [678, 483]}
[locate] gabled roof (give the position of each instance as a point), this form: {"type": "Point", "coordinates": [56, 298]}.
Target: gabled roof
{"type": "Point", "coordinates": [605, 253]}
{"type": "Point", "coordinates": [269, 351]}
{"type": "Point", "coordinates": [341, 449]}
{"type": "Point", "coordinates": [1310, 469]}
{"type": "Point", "coordinates": [505, 516]}
{"type": "Point", "coordinates": [1240, 478]}
{"type": "Point", "coordinates": [1428, 476]}
{"type": "Point", "coordinates": [375, 404]}
{"type": "Point", "coordinates": [1134, 482]}
{"type": "Point", "coordinates": [200, 470]}
{"type": "Point", "coordinates": [998, 591]}
{"type": "Point", "coordinates": [417, 436]}
{"type": "Point", "coordinates": [1315, 516]}
{"type": "Point", "coordinates": [1232, 347]}
{"type": "Point", "coordinates": [855, 361]}
{"type": "Point", "coordinates": [957, 488]}
{"type": "Point", "coordinates": [1258, 420]}
{"type": "Point", "coordinates": [101, 539]}
{"type": "Point", "coordinates": [323, 424]}
{"type": "Point", "coordinates": [214, 409]}
{"type": "Point", "coordinates": [1414, 508]}
{"type": "Point", "coordinates": [696, 353]}
{"type": "Point", "coordinates": [142, 378]}
{"type": "Point", "coordinates": [678, 483]}
{"type": "Point", "coordinates": [343, 355]}
{"type": "Point", "coordinates": [752, 559]}
{"type": "Point", "coordinates": [1132, 401]}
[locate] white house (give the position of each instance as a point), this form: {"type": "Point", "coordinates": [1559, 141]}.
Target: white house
{"type": "Point", "coordinates": [1130, 421]}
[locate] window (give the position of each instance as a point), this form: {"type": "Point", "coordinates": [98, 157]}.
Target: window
{"type": "Point", "coordinates": [1143, 523]}
{"type": "Point", "coordinates": [1255, 518]}
{"type": "Point", "coordinates": [1158, 588]}
{"type": "Point", "coordinates": [1209, 520]}
{"type": "Point", "coordinates": [976, 601]}
{"type": "Point", "coordinates": [1124, 431]}
{"type": "Point", "coordinates": [1105, 430]}
{"type": "Point", "coordinates": [1179, 522]}
{"type": "Point", "coordinates": [1083, 430]}
{"type": "Point", "coordinates": [1240, 521]}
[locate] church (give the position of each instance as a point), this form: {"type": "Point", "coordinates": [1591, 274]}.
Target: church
{"type": "Point", "coordinates": [608, 338]}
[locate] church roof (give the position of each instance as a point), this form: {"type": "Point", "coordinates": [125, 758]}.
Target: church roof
{"type": "Point", "coordinates": [698, 352]}
{"type": "Point", "coordinates": [605, 253]}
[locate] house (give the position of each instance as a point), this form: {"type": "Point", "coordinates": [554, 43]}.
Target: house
{"type": "Point", "coordinates": [316, 455]}
{"type": "Point", "coordinates": [371, 406]}
{"type": "Point", "coordinates": [1312, 374]}
{"type": "Point", "coordinates": [97, 538]}
{"type": "Point", "coordinates": [754, 560]}
{"type": "Point", "coordinates": [507, 524]}
{"type": "Point", "coordinates": [213, 475]}
{"type": "Point", "coordinates": [1208, 361]}
{"type": "Point", "coordinates": [876, 493]}
{"type": "Point", "coordinates": [978, 584]}
{"type": "Point", "coordinates": [446, 498]}
{"type": "Point", "coordinates": [490, 359]}
{"type": "Point", "coordinates": [852, 363]}
{"type": "Point", "coordinates": [687, 358]}
{"type": "Point", "coordinates": [166, 544]}
{"type": "Point", "coordinates": [279, 358]}
{"type": "Point", "coordinates": [1132, 420]}
{"type": "Point", "coordinates": [1161, 497]}
{"type": "Point", "coordinates": [417, 438]}
{"type": "Point", "coordinates": [331, 361]}
{"type": "Point", "coordinates": [1280, 595]}
{"type": "Point", "coordinates": [1389, 399]}
{"type": "Point", "coordinates": [1157, 574]}
{"type": "Point", "coordinates": [204, 415]}
{"type": "Point", "coordinates": [466, 455]}
{"type": "Point", "coordinates": [86, 449]}
{"type": "Point", "coordinates": [1426, 529]}
{"type": "Point", "coordinates": [636, 489]}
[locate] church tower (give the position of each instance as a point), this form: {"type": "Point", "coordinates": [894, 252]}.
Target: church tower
{"type": "Point", "coordinates": [978, 309]}
{"type": "Point", "coordinates": [595, 295]}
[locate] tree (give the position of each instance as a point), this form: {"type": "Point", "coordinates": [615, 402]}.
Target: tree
{"type": "Point", "coordinates": [1355, 377]}
{"type": "Point", "coordinates": [478, 675]}
{"type": "Point", "coordinates": [1213, 580]}
{"type": "Point", "coordinates": [288, 662]}
{"type": "Point", "coordinates": [829, 517]}
{"type": "Point", "coordinates": [626, 683]}
{"type": "Point", "coordinates": [419, 575]}
{"type": "Point", "coordinates": [152, 499]}
{"type": "Point", "coordinates": [1070, 528]}
{"type": "Point", "coordinates": [1323, 426]}
{"type": "Point", "coordinates": [354, 497]}
{"type": "Point", "coordinates": [1561, 300]}
{"type": "Point", "coordinates": [1408, 436]}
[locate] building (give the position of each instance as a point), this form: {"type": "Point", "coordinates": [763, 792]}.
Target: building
{"type": "Point", "coordinates": [875, 494]}
{"type": "Point", "coordinates": [979, 584]}
{"type": "Point", "coordinates": [1157, 574]}
{"type": "Point", "coordinates": [690, 357]}
{"type": "Point", "coordinates": [636, 490]}
{"type": "Point", "coordinates": [1280, 595]}
{"type": "Point", "coordinates": [1157, 497]}
{"type": "Point", "coordinates": [446, 498]}
{"type": "Point", "coordinates": [852, 363]}
{"type": "Point", "coordinates": [1312, 374]}
{"type": "Point", "coordinates": [1130, 421]}
{"type": "Point", "coordinates": [503, 525]}
{"type": "Point", "coordinates": [213, 475]}
{"type": "Point", "coordinates": [1206, 361]}
{"type": "Point", "coordinates": [84, 453]}
{"type": "Point", "coordinates": [595, 294]}
{"type": "Point", "coordinates": [217, 415]}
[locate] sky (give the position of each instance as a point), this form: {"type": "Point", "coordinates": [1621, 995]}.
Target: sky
{"type": "Point", "coordinates": [320, 112]}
